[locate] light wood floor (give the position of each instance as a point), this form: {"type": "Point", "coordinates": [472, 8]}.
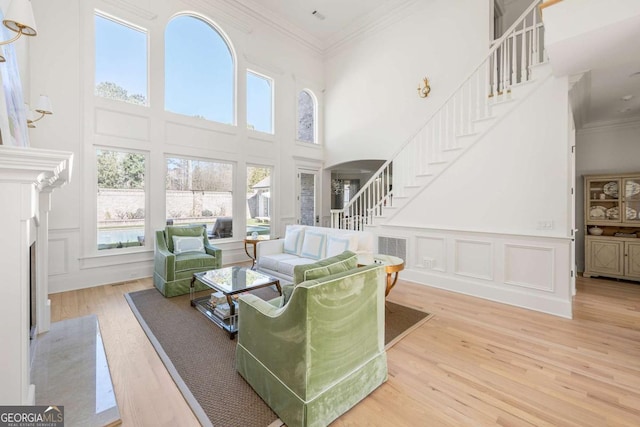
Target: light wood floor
{"type": "Point", "coordinates": [475, 363]}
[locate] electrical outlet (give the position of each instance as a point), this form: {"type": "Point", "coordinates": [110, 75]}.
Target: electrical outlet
{"type": "Point", "coordinates": [428, 262]}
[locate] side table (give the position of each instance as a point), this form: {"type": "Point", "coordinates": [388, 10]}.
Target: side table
{"type": "Point", "coordinates": [392, 265]}
{"type": "Point", "coordinates": [253, 242]}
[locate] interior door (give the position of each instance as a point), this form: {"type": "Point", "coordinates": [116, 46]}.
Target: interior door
{"type": "Point", "coordinates": [307, 197]}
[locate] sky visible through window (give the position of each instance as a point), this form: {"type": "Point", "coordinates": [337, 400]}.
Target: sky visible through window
{"type": "Point", "coordinates": [259, 105]}
{"type": "Point", "coordinates": [199, 71]}
{"type": "Point", "coordinates": [121, 56]}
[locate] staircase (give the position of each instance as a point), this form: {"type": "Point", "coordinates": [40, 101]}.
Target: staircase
{"type": "Point", "coordinates": [484, 97]}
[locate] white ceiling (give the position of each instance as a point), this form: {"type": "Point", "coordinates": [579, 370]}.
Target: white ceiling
{"type": "Point", "coordinates": [610, 56]}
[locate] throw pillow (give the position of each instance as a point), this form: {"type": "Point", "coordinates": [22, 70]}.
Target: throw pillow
{"type": "Point", "coordinates": [293, 240]}
{"type": "Point", "coordinates": [336, 244]}
{"type": "Point", "coordinates": [182, 244]}
{"type": "Point", "coordinates": [313, 245]}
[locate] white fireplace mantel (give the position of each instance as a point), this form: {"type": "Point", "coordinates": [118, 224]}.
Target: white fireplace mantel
{"type": "Point", "coordinates": [27, 178]}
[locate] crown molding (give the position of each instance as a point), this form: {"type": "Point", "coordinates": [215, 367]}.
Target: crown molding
{"type": "Point", "coordinates": [261, 14]}
{"type": "Point", "coordinates": [132, 8]}
{"type": "Point", "coordinates": [220, 12]}
{"type": "Point", "coordinates": [378, 19]}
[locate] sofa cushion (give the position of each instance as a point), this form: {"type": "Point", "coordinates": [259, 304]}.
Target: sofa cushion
{"type": "Point", "coordinates": [336, 264]}
{"type": "Point", "coordinates": [313, 245]}
{"type": "Point", "coordinates": [271, 261]}
{"type": "Point", "coordinates": [189, 262]}
{"type": "Point", "coordinates": [182, 244]}
{"type": "Point", "coordinates": [338, 243]}
{"type": "Point", "coordinates": [293, 240]}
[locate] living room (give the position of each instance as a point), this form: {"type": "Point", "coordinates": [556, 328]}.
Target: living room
{"type": "Point", "coordinates": [358, 78]}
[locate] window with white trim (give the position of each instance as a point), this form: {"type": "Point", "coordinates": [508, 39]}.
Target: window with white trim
{"type": "Point", "coordinates": [307, 117]}
{"type": "Point", "coordinates": [259, 102]}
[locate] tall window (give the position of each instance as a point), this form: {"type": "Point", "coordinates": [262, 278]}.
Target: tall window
{"type": "Point", "coordinates": [306, 117]}
{"type": "Point", "coordinates": [259, 200]}
{"type": "Point", "coordinates": [121, 60]}
{"type": "Point", "coordinates": [200, 191]}
{"type": "Point", "coordinates": [259, 102]}
{"type": "Point", "coordinates": [121, 199]}
{"type": "Point", "coordinates": [199, 71]}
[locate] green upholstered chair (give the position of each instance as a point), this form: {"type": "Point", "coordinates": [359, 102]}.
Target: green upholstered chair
{"type": "Point", "coordinates": [322, 352]}
{"type": "Point", "coordinates": [173, 271]}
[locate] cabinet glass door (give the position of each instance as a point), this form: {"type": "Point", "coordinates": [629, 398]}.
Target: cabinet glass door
{"type": "Point", "coordinates": [631, 199]}
{"type": "Point", "coordinates": [603, 200]}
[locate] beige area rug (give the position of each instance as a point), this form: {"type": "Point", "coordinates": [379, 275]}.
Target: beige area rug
{"type": "Point", "coordinates": [201, 358]}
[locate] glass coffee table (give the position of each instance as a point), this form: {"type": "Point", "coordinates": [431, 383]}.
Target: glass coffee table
{"type": "Point", "coordinates": [227, 281]}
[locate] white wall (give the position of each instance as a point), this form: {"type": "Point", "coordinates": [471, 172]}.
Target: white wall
{"type": "Point", "coordinates": [62, 66]}
{"type": "Point", "coordinates": [371, 101]}
{"type": "Point", "coordinates": [480, 227]}
{"type": "Point", "coordinates": [603, 150]}
{"type": "Point", "coordinates": [512, 179]}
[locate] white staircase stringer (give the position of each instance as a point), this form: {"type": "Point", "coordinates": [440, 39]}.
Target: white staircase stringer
{"type": "Point", "coordinates": [400, 205]}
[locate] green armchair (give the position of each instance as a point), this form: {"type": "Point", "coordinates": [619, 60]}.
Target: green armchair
{"type": "Point", "coordinates": [174, 268]}
{"type": "Point", "coordinates": [322, 352]}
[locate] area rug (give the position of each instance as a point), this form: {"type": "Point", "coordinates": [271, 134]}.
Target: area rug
{"type": "Point", "coordinates": [201, 358]}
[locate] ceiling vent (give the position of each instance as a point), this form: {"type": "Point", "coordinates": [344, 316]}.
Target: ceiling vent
{"type": "Point", "coordinates": [318, 15]}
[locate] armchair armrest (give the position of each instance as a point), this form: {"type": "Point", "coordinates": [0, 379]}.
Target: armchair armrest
{"type": "Point", "coordinates": [269, 247]}
{"type": "Point", "coordinates": [164, 260]}
{"type": "Point", "coordinates": [214, 251]}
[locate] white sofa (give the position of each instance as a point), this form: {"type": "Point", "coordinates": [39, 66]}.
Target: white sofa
{"type": "Point", "coordinates": [305, 245]}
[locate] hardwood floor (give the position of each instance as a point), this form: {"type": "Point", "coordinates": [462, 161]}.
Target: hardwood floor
{"type": "Point", "coordinates": [475, 363]}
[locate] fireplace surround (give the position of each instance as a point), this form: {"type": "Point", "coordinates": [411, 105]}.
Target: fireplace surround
{"type": "Point", "coordinates": [28, 176]}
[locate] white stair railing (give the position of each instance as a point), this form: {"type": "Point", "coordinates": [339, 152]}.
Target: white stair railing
{"type": "Point", "coordinates": [508, 63]}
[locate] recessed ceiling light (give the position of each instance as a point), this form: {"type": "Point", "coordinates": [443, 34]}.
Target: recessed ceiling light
{"type": "Point", "coordinates": [627, 97]}
{"type": "Point", "coordinates": [321, 16]}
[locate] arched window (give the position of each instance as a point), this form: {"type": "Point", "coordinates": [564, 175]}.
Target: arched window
{"type": "Point", "coordinates": [199, 70]}
{"type": "Point", "coordinates": [306, 117]}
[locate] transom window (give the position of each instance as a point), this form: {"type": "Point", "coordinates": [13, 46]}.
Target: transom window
{"type": "Point", "coordinates": [199, 70]}
{"type": "Point", "coordinates": [121, 60]}
{"type": "Point", "coordinates": [259, 102]}
{"type": "Point", "coordinates": [306, 117]}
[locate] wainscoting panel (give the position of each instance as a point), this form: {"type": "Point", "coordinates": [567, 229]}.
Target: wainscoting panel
{"type": "Point", "coordinates": [532, 272]}
{"type": "Point", "coordinates": [182, 135]}
{"type": "Point", "coordinates": [431, 253]}
{"type": "Point", "coordinates": [474, 259]}
{"type": "Point", "coordinates": [113, 123]}
{"type": "Point", "coordinates": [530, 267]}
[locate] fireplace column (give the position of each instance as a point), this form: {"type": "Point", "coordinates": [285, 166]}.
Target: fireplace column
{"type": "Point", "coordinates": [27, 177]}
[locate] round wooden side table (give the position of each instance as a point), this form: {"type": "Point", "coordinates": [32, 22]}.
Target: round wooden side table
{"type": "Point", "coordinates": [392, 266]}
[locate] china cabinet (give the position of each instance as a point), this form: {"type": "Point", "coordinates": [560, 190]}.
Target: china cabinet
{"type": "Point", "coordinates": [612, 226]}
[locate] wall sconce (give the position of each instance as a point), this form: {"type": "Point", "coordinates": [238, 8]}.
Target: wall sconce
{"type": "Point", "coordinates": [19, 18]}
{"type": "Point", "coordinates": [423, 92]}
{"type": "Point", "coordinates": [43, 107]}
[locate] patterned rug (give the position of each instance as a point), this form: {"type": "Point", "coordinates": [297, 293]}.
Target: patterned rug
{"type": "Point", "coordinates": [201, 358]}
